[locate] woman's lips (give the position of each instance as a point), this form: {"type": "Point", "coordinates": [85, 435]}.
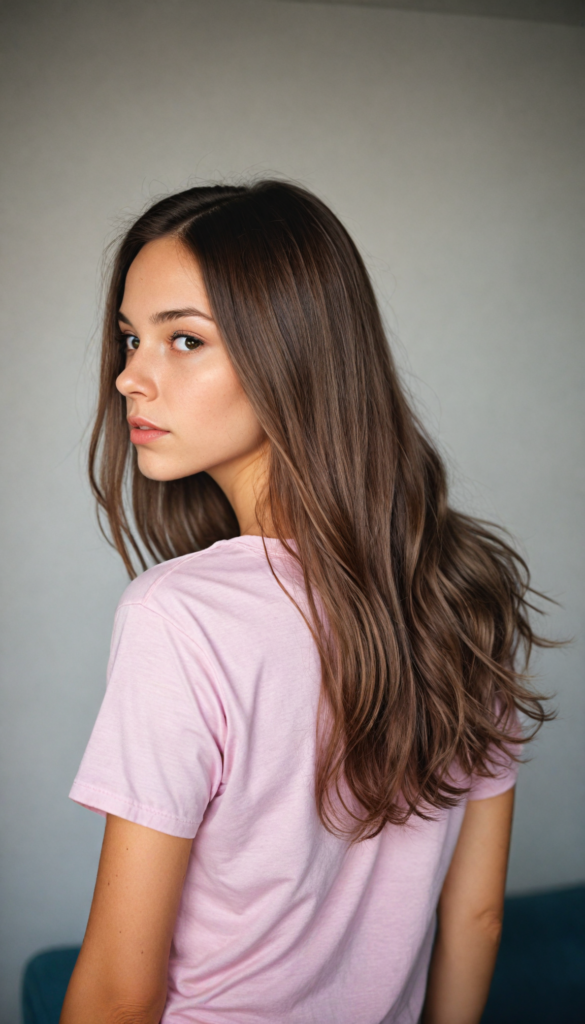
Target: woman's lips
{"type": "Point", "coordinates": [143, 435]}
{"type": "Point", "coordinates": [143, 432]}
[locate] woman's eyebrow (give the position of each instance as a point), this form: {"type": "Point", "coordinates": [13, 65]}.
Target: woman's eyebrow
{"type": "Point", "coordinates": [169, 314]}
{"type": "Point", "coordinates": [176, 314]}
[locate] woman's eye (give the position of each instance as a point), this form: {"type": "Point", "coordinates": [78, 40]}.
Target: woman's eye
{"type": "Point", "coordinates": [186, 342]}
{"type": "Point", "coordinates": [131, 342]}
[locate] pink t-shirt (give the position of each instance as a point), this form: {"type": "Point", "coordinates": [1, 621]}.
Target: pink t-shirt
{"type": "Point", "coordinates": [207, 731]}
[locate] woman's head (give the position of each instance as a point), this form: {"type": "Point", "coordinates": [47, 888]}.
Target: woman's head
{"type": "Point", "coordinates": [293, 354]}
{"type": "Point", "coordinates": [243, 323]}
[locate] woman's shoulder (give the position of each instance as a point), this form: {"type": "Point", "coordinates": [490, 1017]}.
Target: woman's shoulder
{"type": "Point", "coordinates": [220, 599]}
{"type": "Point", "coordinates": [222, 569]}
{"type": "Point", "coordinates": [154, 583]}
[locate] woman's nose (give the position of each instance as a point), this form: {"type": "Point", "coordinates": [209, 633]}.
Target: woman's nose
{"type": "Point", "coordinates": [137, 377]}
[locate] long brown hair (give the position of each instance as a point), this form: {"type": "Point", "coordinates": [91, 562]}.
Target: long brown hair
{"type": "Point", "coordinates": [420, 613]}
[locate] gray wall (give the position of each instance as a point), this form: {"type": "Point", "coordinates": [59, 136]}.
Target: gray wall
{"type": "Point", "coordinates": [453, 150]}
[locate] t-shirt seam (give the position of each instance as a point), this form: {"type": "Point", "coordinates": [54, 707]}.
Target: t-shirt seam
{"type": "Point", "coordinates": [172, 568]}
{"type": "Point", "coordinates": [222, 699]}
{"type": "Point", "coordinates": [164, 618]}
{"type": "Point", "coordinates": [134, 803]}
{"type": "Point", "coordinates": [509, 779]}
{"type": "Point", "coordinates": [186, 558]}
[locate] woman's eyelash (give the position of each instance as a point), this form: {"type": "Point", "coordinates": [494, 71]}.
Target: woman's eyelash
{"type": "Point", "coordinates": [192, 342]}
{"type": "Point", "coordinates": [124, 338]}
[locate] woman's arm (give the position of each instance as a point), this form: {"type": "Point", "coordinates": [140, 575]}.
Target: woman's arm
{"type": "Point", "coordinates": [121, 974]}
{"type": "Point", "coordinates": [470, 915]}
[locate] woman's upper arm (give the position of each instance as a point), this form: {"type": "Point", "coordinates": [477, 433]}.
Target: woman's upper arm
{"type": "Point", "coordinates": [122, 967]}
{"type": "Point", "coordinates": [475, 883]}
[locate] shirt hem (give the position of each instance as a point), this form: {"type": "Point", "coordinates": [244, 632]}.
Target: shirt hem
{"type": "Point", "coordinates": [104, 802]}
{"type": "Point", "coordinates": [492, 787]}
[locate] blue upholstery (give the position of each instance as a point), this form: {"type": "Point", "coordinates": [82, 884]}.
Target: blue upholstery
{"type": "Point", "coordinates": [539, 978]}
{"type": "Point", "coordinates": [540, 973]}
{"type": "Point", "coordinates": [45, 982]}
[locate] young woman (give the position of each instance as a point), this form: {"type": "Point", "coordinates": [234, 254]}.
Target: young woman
{"type": "Point", "coordinates": [307, 748]}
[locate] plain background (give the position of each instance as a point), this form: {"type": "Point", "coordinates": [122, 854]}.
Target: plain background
{"type": "Point", "coordinates": [453, 150]}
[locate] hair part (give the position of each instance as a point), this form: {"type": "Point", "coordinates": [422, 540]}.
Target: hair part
{"type": "Point", "coordinates": [421, 614]}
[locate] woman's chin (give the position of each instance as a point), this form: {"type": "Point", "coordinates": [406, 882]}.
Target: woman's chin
{"type": "Point", "coordinates": [156, 468]}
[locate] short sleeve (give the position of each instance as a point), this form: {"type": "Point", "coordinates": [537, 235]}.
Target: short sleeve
{"type": "Point", "coordinates": [155, 753]}
{"type": "Point", "coordinates": [504, 768]}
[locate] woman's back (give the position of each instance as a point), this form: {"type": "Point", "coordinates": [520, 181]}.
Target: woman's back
{"type": "Point", "coordinates": [208, 731]}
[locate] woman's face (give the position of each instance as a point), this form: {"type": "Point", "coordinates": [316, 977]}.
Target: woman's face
{"type": "Point", "coordinates": [186, 408]}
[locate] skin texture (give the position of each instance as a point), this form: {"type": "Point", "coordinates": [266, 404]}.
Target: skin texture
{"type": "Point", "coordinates": [195, 396]}
{"type": "Point", "coordinates": [470, 914]}
{"type": "Point", "coordinates": [121, 973]}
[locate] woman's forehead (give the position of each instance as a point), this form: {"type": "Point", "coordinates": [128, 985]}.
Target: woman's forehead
{"type": "Point", "coordinates": [163, 278]}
